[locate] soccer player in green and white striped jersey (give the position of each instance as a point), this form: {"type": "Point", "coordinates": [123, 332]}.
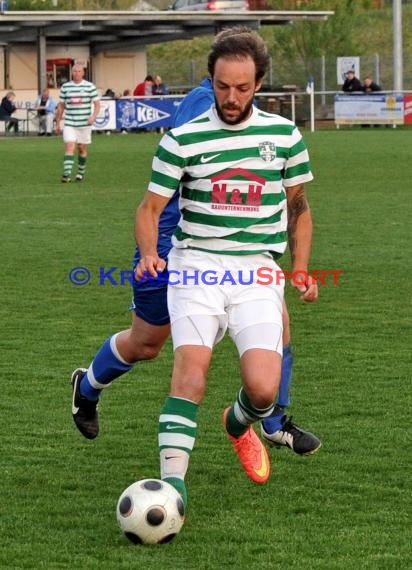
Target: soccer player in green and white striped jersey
{"type": "Point", "coordinates": [79, 101]}
{"type": "Point", "coordinates": [240, 170]}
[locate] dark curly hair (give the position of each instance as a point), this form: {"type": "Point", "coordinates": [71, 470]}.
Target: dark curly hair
{"type": "Point", "coordinates": [237, 43]}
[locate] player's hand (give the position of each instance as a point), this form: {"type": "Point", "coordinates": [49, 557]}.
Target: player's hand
{"type": "Point", "coordinates": [308, 287]}
{"type": "Point", "coordinates": [149, 265]}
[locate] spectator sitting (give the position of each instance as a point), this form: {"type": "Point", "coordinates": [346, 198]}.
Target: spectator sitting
{"type": "Point", "coordinates": [352, 83]}
{"type": "Point", "coordinates": [45, 107]}
{"type": "Point", "coordinates": [369, 86]}
{"type": "Point", "coordinates": [109, 94]}
{"type": "Point", "coordinates": [145, 88]}
{"type": "Point", "coordinates": [159, 88]}
{"type": "Point", "coordinates": [7, 108]}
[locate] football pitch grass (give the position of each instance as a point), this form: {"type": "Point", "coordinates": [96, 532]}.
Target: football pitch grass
{"type": "Point", "coordinates": [348, 507]}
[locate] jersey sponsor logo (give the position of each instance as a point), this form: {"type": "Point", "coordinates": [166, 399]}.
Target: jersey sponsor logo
{"type": "Point", "coordinates": [76, 101]}
{"type": "Point", "coordinates": [238, 188]}
{"type": "Point", "coordinates": [204, 159]}
{"type": "Point", "coordinates": [267, 151]}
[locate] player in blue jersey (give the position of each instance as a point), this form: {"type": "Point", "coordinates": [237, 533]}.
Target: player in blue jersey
{"type": "Point", "coordinates": [151, 327]}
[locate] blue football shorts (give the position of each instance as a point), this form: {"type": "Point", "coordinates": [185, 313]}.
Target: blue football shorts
{"type": "Point", "coordinates": [150, 301]}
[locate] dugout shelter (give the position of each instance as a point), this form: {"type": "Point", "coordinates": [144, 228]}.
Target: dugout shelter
{"type": "Point", "coordinates": [36, 46]}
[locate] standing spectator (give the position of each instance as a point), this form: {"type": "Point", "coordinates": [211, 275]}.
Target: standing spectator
{"type": "Point", "coordinates": [7, 108]}
{"type": "Point", "coordinates": [159, 88]}
{"type": "Point", "coordinates": [145, 88]}
{"type": "Point", "coordinates": [45, 107]}
{"type": "Point", "coordinates": [77, 97]}
{"type": "Point", "coordinates": [352, 83]}
{"type": "Point", "coordinates": [369, 86]}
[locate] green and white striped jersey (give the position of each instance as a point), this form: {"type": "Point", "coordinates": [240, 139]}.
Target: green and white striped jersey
{"type": "Point", "coordinates": [78, 99]}
{"type": "Point", "coordinates": [232, 181]}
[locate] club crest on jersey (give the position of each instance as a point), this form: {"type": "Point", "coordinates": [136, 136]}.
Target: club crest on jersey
{"type": "Point", "coordinates": [267, 151]}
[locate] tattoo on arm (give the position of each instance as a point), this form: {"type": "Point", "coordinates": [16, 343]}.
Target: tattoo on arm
{"type": "Point", "coordinates": [296, 207]}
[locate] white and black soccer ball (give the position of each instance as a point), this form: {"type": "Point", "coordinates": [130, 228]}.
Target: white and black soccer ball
{"type": "Point", "coordinates": [150, 511]}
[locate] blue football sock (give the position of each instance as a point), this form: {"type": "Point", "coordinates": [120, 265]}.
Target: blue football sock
{"type": "Point", "coordinates": [106, 367]}
{"type": "Point", "coordinates": [274, 422]}
{"type": "Point", "coordinates": [285, 378]}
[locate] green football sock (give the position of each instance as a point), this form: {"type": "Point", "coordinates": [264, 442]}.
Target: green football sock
{"type": "Point", "coordinates": [68, 164]}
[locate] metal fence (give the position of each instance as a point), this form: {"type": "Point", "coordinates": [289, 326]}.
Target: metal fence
{"type": "Point", "coordinates": [309, 109]}
{"type": "Point", "coordinates": [184, 75]}
{"type": "Point", "coordinates": [317, 109]}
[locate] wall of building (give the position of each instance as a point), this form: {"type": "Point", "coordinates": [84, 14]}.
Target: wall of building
{"type": "Point", "coordinates": [22, 68]}
{"type": "Point", "coordinates": [117, 71]}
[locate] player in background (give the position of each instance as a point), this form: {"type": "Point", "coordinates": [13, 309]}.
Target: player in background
{"type": "Point", "coordinates": [79, 101]}
{"type": "Point", "coordinates": [150, 329]}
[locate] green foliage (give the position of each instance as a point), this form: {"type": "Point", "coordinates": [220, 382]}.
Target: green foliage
{"type": "Point", "coordinates": [347, 508]}
{"type": "Point", "coordinates": [31, 5]}
{"type": "Point", "coordinates": [304, 41]}
{"type": "Point", "coordinates": [72, 5]}
{"type": "Point", "coordinates": [296, 49]}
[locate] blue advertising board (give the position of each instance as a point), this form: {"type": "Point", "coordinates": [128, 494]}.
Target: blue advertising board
{"type": "Point", "coordinates": [146, 113]}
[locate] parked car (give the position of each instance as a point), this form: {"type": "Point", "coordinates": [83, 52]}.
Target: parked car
{"type": "Point", "coordinates": [215, 5]}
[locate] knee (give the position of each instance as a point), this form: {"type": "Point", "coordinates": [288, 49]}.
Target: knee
{"type": "Point", "coordinates": [134, 350]}
{"type": "Point", "coordinates": [148, 352]}
{"type": "Point", "coordinates": [263, 398]}
{"type": "Point", "coordinates": [263, 401]}
{"type": "Point", "coordinates": [139, 352]}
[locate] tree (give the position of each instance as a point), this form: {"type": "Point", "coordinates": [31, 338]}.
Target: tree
{"type": "Point", "coordinates": [31, 5]}
{"type": "Point", "coordinates": [305, 41]}
{"type": "Point", "coordinates": [73, 5]}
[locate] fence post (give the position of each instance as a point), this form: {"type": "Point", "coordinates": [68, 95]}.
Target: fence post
{"type": "Point", "coordinates": [323, 78]}
{"type": "Point", "coordinates": [377, 77]}
{"type": "Point", "coordinates": [310, 89]}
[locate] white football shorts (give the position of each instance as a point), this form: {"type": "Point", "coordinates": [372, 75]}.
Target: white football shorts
{"type": "Point", "coordinates": [82, 135]}
{"type": "Point", "coordinates": [210, 293]}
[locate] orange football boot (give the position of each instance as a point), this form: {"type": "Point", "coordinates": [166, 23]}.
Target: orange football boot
{"type": "Point", "coordinates": [251, 452]}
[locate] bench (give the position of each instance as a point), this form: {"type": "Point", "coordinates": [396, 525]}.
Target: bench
{"type": "Point", "coordinates": [22, 126]}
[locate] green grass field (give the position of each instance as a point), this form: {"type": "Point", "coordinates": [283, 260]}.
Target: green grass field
{"type": "Point", "coordinates": [346, 508]}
